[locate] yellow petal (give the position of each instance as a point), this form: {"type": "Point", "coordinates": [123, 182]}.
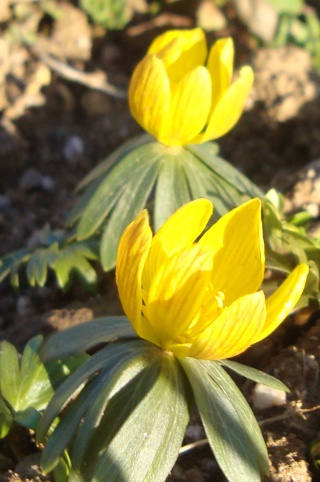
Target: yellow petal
{"type": "Point", "coordinates": [220, 66]}
{"type": "Point", "coordinates": [283, 300]}
{"type": "Point", "coordinates": [177, 233]}
{"type": "Point", "coordinates": [180, 50]}
{"type": "Point", "coordinates": [189, 110]}
{"type": "Point", "coordinates": [149, 95]}
{"type": "Point", "coordinates": [229, 108]}
{"type": "Point", "coordinates": [233, 331]}
{"type": "Point", "coordinates": [133, 249]}
{"type": "Point", "coordinates": [238, 247]}
{"type": "Point", "coordinates": [177, 291]}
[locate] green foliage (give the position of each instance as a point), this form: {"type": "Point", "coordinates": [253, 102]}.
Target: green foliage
{"type": "Point", "coordinates": [292, 7]}
{"type": "Point", "coordinates": [64, 255]}
{"type": "Point", "coordinates": [230, 426]}
{"type": "Point", "coordinates": [27, 383]}
{"type": "Point", "coordinates": [288, 244]}
{"type": "Point", "coordinates": [315, 454]}
{"type": "Point", "coordinates": [302, 28]}
{"type": "Point", "coordinates": [113, 14]}
{"type": "Point", "coordinates": [123, 413]}
{"type": "Point", "coordinates": [144, 172]}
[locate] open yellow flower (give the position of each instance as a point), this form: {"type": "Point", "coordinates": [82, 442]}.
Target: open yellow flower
{"type": "Point", "coordinates": [200, 298]}
{"type": "Point", "coordinates": [181, 95]}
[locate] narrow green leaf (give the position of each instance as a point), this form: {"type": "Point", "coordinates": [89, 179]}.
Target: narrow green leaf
{"type": "Point", "coordinates": [147, 442]}
{"type": "Point", "coordinates": [196, 174]}
{"type": "Point", "coordinates": [35, 389]}
{"type": "Point", "coordinates": [111, 188]}
{"type": "Point", "coordinates": [104, 167]}
{"type": "Point", "coordinates": [255, 375]}
{"type": "Point", "coordinates": [37, 268]}
{"type": "Point", "coordinates": [230, 425]}
{"type": "Point", "coordinates": [79, 378]}
{"type": "Point", "coordinates": [96, 390]}
{"type": "Point", "coordinates": [6, 418]}
{"type": "Point", "coordinates": [12, 261]}
{"type": "Point", "coordinates": [62, 471]}
{"type": "Point", "coordinates": [171, 189]}
{"type": "Point", "coordinates": [59, 440]}
{"type": "Point", "coordinates": [204, 182]}
{"type": "Point", "coordinates": [112, 379]}
{"type": "Point", "coordinates": [292, 7]}
{"type": "Point", "coordinates": [133, 199]}
{"type": "Point", "coordinates": [81, 338]}
{"type": "Point", "coordinates": [207, 154]}
{"type": "Point", "coordinates": [68, 262]}
{"type": "Point", "coordinates": [79, 208]}
{"type": "Point", "coordinates": [9, 373]}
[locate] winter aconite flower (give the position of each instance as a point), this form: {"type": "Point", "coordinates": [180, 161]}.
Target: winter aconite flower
{"type": "Point", "coordinates": [200, 298]}
{"type": "Point", "coordinates": [182, 95]}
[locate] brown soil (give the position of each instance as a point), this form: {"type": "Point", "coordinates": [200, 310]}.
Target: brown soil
{"type": "Point", "coordinates": [51, 136]}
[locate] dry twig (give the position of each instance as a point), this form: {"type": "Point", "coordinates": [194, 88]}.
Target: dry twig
{"type": "Point", "coordinates": [95, 80]}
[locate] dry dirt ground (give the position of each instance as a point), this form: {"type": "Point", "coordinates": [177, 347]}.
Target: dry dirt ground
{"type": "Point", "coordinates": [55, 131]}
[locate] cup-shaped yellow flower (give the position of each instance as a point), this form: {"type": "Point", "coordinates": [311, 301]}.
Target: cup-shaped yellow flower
{"type": "Point", "coordinates": [182, 95]}
{"type": "Point", "coordinates": [199, 296]}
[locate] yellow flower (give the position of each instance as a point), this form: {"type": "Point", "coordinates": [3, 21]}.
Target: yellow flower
{"type": "Point", "coordinates": [181, 95]}
{"type": "Point", "coordinates": [199, 298]}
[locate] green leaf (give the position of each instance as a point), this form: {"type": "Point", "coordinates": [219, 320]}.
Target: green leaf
{"type": "Point", "coordinates": [105, 166]}
{"type": "Point", "coordinates": [197, 176]}
{"type": "Point", "coordinates": [171, 189]}
{"type": "Point", "coordinates": [80, 377]}
{"type": "Point", "coordinates": [293, 7]}
{"type": "Point", "coordinates": [211, 177]}
{"type": "Point", "coordinates": [94, 179]}
{"type": "Point", "coordinates": [62, 471]}
{"type": "Point", "coordinates": [72, 259]}
{"type": "Point", "coordinates": [149, 416]}
{"type": "Point", "coordinates": [81, 338]}
{"type": "Point", "coordinates": [112, 379]}
{"type": "Point", "coordinates": [61, 436]}
{"type": "Point", "coordinates": [6, 418]}
{"type": "Point", "coordinates": [112, 14]}
{"type": "Point", "coordinates": [26, 385]}
{"type": "Point", "coordinates": [114, 184]}
{"type": "Point", "coordinates": [255, 375]}
{"type": "Point", "coordinates": [96, 392]}
{"type": "Point", "coordinates": [73, 416]}
{"type": "Point", "coordinates": [132, 200]}
{"type": "Point", "coordinates": [79, 208]}
{"type": "Point", "coordinates": [11, 262]}
{"type": "Point", "coordinates": [37, 268]}
{"type": "Point", "coordinates": [35, 389]}
{"type": "Point", "coordinates": [231, 428]}
{"type": "Point", "coordinates": [288, 245]}
{"type": "Point", "coordinates": [206, 153]}
{"type": "Point", "coordinates": [62, 254]}
{"type": "Point", "coordinates": [9, 373]}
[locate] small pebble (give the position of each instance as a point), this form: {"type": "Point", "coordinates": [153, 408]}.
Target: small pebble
{"type": "Point", "coordinates": [194, 475]}
{"type": "Point", "coordinates": [210, 467]}
{"type": "Point", "coordinates": [30, 179]}
{"type": "Point", "coordinates": [73, 149]}
{"type": "Point", "coordinates": [4, 202]}
{"type": "Point", "coordinates": [48, 184]}
{"type": "Point", "coordinates": [266, 397]}
{"type": "Point", "coordinates": [194, 432]}
{"type": "Point", "coordinates": [24, 306]}
{"type": "Point", "coordinates": [33, 179]}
